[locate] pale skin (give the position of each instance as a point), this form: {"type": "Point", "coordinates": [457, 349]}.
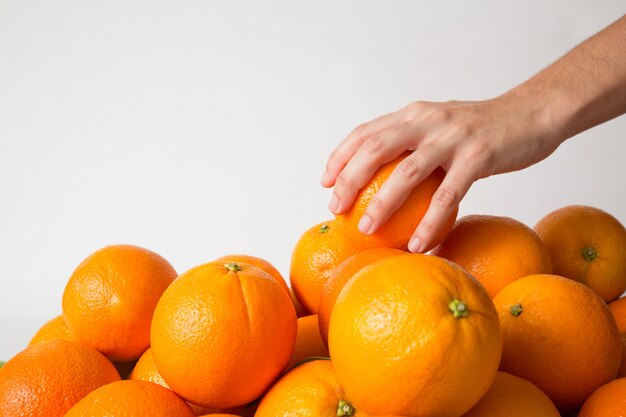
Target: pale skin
{"type": "Point", "coordinates": [471, 140]}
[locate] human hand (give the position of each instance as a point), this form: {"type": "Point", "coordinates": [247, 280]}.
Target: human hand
{"type": "Point", "coordinates": [469, 140]}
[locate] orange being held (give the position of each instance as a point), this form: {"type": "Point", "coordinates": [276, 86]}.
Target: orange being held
{"type": "Point", "coordinates": [338, 278]}
{"type": "Point", "coordinates": [308, 341]}
{"type": "Point", "coordinates": [618, 309]}
{"type": "Point", "coordinates": [414, 335]}
{"type": "Point", "coordinates": [222, 333]}
{"type": "Point", "coordinates": [53, 329]}
{"type": "Point", "coordinates": [399, 228]}
{"type": "Point", "coordinates": [260, 263]}
{"type": "Point", "coordinates": [559, 335]}
{"type": "Point", "coordinates": [110, 298]}
{"type": "Point", "coordinates": [318, 251]}
{"type": "Point", "coordinates": [496, 250]}
{"type": "Point", "coordinates": [131, 399]}
{"type": "Point", "coordinates": [311, 389]}
{"type": "Point", "coordinates": [49, 377]}
{"type": "Point", "coordinates": [588, 245]}
{"type": "Point", "coordinates": [607, 401]}
{"type": "Point", "coordinates": [510, 395]}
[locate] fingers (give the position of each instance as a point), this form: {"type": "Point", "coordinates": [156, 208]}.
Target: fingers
{"type": "Point", "coordinates": [407, 175]}
{"type": "Point", "coordinates": [453, 188]}
{"type": "Point", "coordinates": [375, 151]}
{"type": "Point", "coordinates": [348, 147]}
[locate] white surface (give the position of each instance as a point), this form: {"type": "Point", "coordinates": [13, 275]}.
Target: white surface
{"type": "Point", "coordinates": [198, 128]}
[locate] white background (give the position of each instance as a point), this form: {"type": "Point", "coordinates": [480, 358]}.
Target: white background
{"type": "Point", "coordinates": [201, 128]}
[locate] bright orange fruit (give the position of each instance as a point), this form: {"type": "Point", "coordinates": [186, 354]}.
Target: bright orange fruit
{"type": "Point", "coordinates": [311, 389]}
{"type": "Point", "coordinates": [414, 335]}
{"type": "Point", "coordinates": [607, 401]}
{"type": "Point", "coordinates": [222, 333]}
{"type": "Point", "coordinates": [109, 299]}
{"type": "Point", "coordinates": [587, 245]}
{"type": "Point", "coordinates": [131, 399]}
{"type": "Point", "coordinates": [399, 228]}
{"type": "Point", "coordinates": [318, 251]}
{"type": "Point", "coordinates": [308, 342]}
{"type": "Point", "coordinates": [48, 378]}
{"type": "Point", "coordinates": [495, 250]}
{"type": "Point", "coordinates": [53, 329]}
{"type": "Point", "coordinates": [510, 395]}
{"type": "Point", "coordinates": [338, 278]}
{"type": "Point", "coordinates": [618, 309]}
{"type": "Point", "coordinates": [559, 335]}
{"type": "Point", "coordinates": [260, 263]}
{"type": "Point", "coordinates": [296, 304]}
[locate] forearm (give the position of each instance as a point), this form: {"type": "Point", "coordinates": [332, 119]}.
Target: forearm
{"type": "Point", "coordinates": [582, 89]}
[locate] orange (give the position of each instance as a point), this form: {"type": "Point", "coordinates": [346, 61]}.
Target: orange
{"type": "Point", "coordinates": [399, 228]}
{"type": "Point", "coordinates": [131, 399]}
{"type": "Point", "coordinates": [559, 335]}
{"type": "Point", "coordinates": [109, 299]}
{"type": "Point", "coordinates": [260, 263]}
{"type": "Point", "coordinates": [308, 342]}
{"type": "Point", "coordinates": [414, 335]}
{"type": "Point", "coordinates": [311, 389]}
{"type": "Point", "coordinates": [317, 253]}
{"type": "Point", "coordinates": [48, 378]}
{"type": "Point", "coordinates": [53, 329]}
{"type": "Point", "coordinates": [622, 369]}
{"type": "Point", "coordinates": [296, 304]}
{"type": "Point", "coordinates": [510, 395]}
{"type": "Point", "coordinates": [495, 250]}
{"type": "Point", "coordinates": [587, 245]}
{"type": "Point", "coordinates": [338, 278]}
{"type": "Point", "coordinates": [146, 370]}
{"type": "Point", "coordinates": [618, 309]}
{"type": "Point", "coordinates": [607, 401]}
{"type": "Point", "coordinates": [222, 333]}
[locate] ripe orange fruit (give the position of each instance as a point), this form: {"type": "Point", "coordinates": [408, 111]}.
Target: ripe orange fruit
{"type": "Point", "coordinates": [48, 378]}
{"type": "Point", "coordinates": [296, 304]}
{"type": "Point", "coordinates": [414, 335]}
{"type": "Point", "coordinates": [53, 329]}
{"type": "Point", "coordinates": [618, 309]}
{"type": "Point", "coordinates": [510, 395]}
{"type": "Point", "coordinates": [260, 263]}
{"type": "Point", "coordinates": [222, 333]}
{"type": "Point", "coordinates": [146, 370]}
{"type": "Point", "coordinates": [131, 399]}
{"type": "Point", "coordinates": [338, 278]}
{"type": "Point", "coordinates": [308, 341]}
{"type": "Point", "coordinates": [622, 368]}
{"type": "Point", "coordinates": [495, 250]}
{"type": "Point", "coordinates": [559, 335]}
{"type": "Point", "coordinates": [317, 253]}
{"type": "Point", "coordinates": [588, 245]}
{"type": "Point", "coordinates": [607, 401]}
{"type": "Point", "coordinates": [311, 389]}
{"type": "Point", "coordinates": [399, 228]}
{"type": "Point", "coordinates": [109, 299]}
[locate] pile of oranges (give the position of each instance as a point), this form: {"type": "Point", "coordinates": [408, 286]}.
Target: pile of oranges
{"type": "Point", "coordinates": [497, 320]}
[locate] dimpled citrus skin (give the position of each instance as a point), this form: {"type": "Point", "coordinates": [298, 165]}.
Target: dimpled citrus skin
{"type": "Point", "coordinates": [308, 342]}
{"type": "Point", "coordinates": [318, 251]}
{"type": "Point", "coordinates": [564, 340]}
{"type": "Point", "coordinates": [310, 390]}
{"type": "Point", "coordinates": [48, 378]}
{"type": "Point", "coordinates": [397, 346]}
{"type": "Point", "coordinates": [510, 395]}
{"type": "Point", "coordinates": [607, 401]}
{"type": "Point", "coordinates": [496, 250]}
{"type": "Point", "coordinates": [53, 329]}
{"type": "Point", "coordinates": [399, 228]}
{"type": "Point", "coordinates": [618, 309]}
{"type": "Point", "coordinates": [131, 399]}
{"type": "Point", "coordinates": [222, 333]}
{"type": "Point", "coordinates": [338, 278]}
{"type": "Point", "coordinates": [109, 299]}
{"type": "Point", "coordinates": [260, 263]}
{"type": "Point", "coordinates": [587, 245]}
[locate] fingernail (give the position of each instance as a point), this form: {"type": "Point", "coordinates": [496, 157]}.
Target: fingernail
{"type": "Point", "coordinates": [324, 178]}
{"type": "Point", "coordinates": [334, 204]}
{"type": "Point", "coordinates": [415, 244]}
{"type": "Point", "coordinates": [365, 224]}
